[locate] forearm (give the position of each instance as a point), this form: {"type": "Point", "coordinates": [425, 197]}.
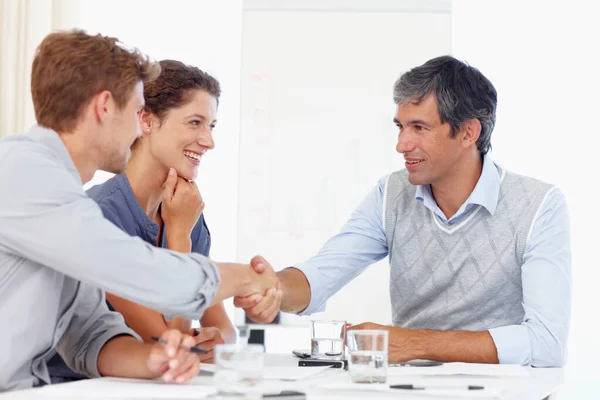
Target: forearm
{"type": "Point", "coordinates": [144, 321]}
{"type": "Point", "coordinates": [296, 290]}
{"type": "Point", "coordinates": [178, 241]}
{"type": "Point", "coordinates": [125, 357]}
{"type": "Point", "coordinates": [446, 346]}
{"type": "Point", "coordinates": [216, 317]}
{"type": "Point", "coordinates": [235, 281]}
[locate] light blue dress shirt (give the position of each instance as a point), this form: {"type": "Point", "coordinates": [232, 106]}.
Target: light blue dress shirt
{"type": "Point", "coordinates": [58, 254]}
{"type": "Point", "coordinates": [540, 340]}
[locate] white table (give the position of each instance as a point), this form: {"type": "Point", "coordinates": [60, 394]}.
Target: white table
{"type": "Point", "coordinates": [542, 383]}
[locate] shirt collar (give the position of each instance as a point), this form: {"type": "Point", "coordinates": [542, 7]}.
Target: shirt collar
{"type": "Point", "coordinates": [51, 139]}
{"type": "Point", "coordinates": [143, 220]}
{"type": "Point", "coordinates": [485, 193]}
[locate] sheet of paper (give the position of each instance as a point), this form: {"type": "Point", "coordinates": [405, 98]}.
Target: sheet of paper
{"type": "Point", "coordinates": [503, 370]}
{"type": "Point", "coordinates": [458, 393]}
{"type": "Point", "coordinates": [107, 388]}
{"type": "Point", "coordinates": [207, 367]}
{"type": "Point", "coordinates": [291, 373]}
{"type": "Point", "coordinates": [286, 373]}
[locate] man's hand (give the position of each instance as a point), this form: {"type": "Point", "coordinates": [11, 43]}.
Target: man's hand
{"type": "Point", "coordinates": [263, 277]}
{"type": "Point", "coordinates": [243, 280]}
{"type": "Point", "coordinates": [259, 308]}
{"type": "Point", "coordinates": [171, 362]}
{"type": "Point", "coordinates": [207, 339]}
{"type": "Point", "coordinates": [181, 205]}
{"type": "Point", "coordinates": [400, 348]}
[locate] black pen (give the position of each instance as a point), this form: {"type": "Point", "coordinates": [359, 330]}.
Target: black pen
{"type": "Point", "coordinates": [413, 387]}
{"type": "Point", "coordinates": [196, 350]}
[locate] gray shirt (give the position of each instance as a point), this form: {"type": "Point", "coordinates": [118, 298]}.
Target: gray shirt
{"type": "Point", "coordinates": [57, 252]}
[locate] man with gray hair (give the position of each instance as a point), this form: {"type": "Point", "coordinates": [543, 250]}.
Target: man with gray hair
{"type": "Point", "coordinates": [480, 263]}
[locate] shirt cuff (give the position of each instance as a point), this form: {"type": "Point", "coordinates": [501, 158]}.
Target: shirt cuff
{"type": "Point", "coordinates": [91, 356]}
{"type": "Point", "coordinates": [207, 291]}
{"type": "Point", "coordinates": [512, 344]}
{"type": "Point", "coordinates": [318, 292]}
{"type": "Point", "coordinates": [213, 279]}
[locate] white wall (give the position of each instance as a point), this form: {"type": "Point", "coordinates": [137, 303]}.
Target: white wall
{"type": "Point", "coordinates": [23, 24]}
{"type": "Point", "coordinates": [541, 58]}
{"type": "Point", "coordinates": [317, 130]}
{"type": "Point", "coordinates": [203, 33]}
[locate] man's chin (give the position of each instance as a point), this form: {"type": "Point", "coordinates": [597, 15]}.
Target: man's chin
{"type": "Point", "coordinates": [415, 180]}
{"type": "Point", "coordinates": [115, 168]}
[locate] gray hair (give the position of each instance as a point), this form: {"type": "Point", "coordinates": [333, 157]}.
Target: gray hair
{"type": "Point", "coordinates": [461, 91]}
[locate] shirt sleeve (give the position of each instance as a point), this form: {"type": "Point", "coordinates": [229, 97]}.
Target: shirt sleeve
{"type": "Point", "coordinates": [360, 243]}
{"type": "Point", "coordinates": [541, 339]}
{"type": "Point", "coordinates": [48, 219]}
{"type": "Point", "coordinates": [90, 328]}
{"type": "Point", "coordinates": [201, 237]}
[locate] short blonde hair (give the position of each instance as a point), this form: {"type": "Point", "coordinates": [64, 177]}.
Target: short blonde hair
{"type": "Point", "coordinates": [71, 67]}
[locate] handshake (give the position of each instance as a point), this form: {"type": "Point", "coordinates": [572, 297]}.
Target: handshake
{"type": "Point", "coordinates": [258, 290]}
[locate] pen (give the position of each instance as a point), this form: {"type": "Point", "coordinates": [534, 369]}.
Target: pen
{"type": "Point", "coordinates": [196, 350]}
{"type": "Point", "coordinates": [286, 394]}
{"type": "Point", "coordinates": [417, 363]}
{"type": "Point", "coordinates": [413, 387]}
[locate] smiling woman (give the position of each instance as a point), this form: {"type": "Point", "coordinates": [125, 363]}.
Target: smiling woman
{"type": "Point", "coordinates": [180, 114]}
{"type": "Point", "coordinates": [156, 198]}
{"type": "Point", "coordinates": [177, 123]}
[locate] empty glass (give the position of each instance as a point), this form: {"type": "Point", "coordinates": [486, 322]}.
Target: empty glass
{"type": "Point", "coordinates": [368, 356]}
{"type": "Point", "coordinates": [328, 339]}
{"type": "Point", "coordinates": [238, 369]}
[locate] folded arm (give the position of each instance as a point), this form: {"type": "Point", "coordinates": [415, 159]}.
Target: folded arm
{"type": "Point", "coordinates": [447, 346]}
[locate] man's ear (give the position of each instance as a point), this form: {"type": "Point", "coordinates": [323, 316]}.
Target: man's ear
{"type": "Point", "coordinates": [102, 105]}
{"type": "Point", "coordinates": [471, 129]}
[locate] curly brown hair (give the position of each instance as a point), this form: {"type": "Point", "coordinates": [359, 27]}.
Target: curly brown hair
{"type": "Point", "coordinates": [175, 86]}
{"type": "Point", "coordinates": [70, 67]}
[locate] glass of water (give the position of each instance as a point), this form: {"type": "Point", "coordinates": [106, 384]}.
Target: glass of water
{"type": "Point", "coordinates": [238, 369]}
{"type": "Point", "coordinates": [328, 339]}
{"type": "Point", "coordinates": [368, 356]}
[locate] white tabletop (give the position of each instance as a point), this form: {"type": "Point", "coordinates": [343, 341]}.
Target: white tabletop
{"type": "Point", "coordinates": [541, 383]}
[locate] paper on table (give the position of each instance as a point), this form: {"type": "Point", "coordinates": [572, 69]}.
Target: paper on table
{"type": "Point", "coordinates": [286, 373]}
{"type": "Point", "coordinates": [107, 388]}
{"type": "Point", "coordinates": [207, 367]}
{"type": "Point", "coordinates": [291, 373]}
{"type": "Point", "coordinates": [462, 369]}
{"type": "Point", "coordinates": [487, 393]}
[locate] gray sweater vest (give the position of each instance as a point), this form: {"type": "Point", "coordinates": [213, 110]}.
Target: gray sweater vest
{"type": "Point", "coordinates": [461, 276]}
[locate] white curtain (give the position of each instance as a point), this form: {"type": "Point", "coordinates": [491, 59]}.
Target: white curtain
{"type": "Point", "coordinates": [23, 24]}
